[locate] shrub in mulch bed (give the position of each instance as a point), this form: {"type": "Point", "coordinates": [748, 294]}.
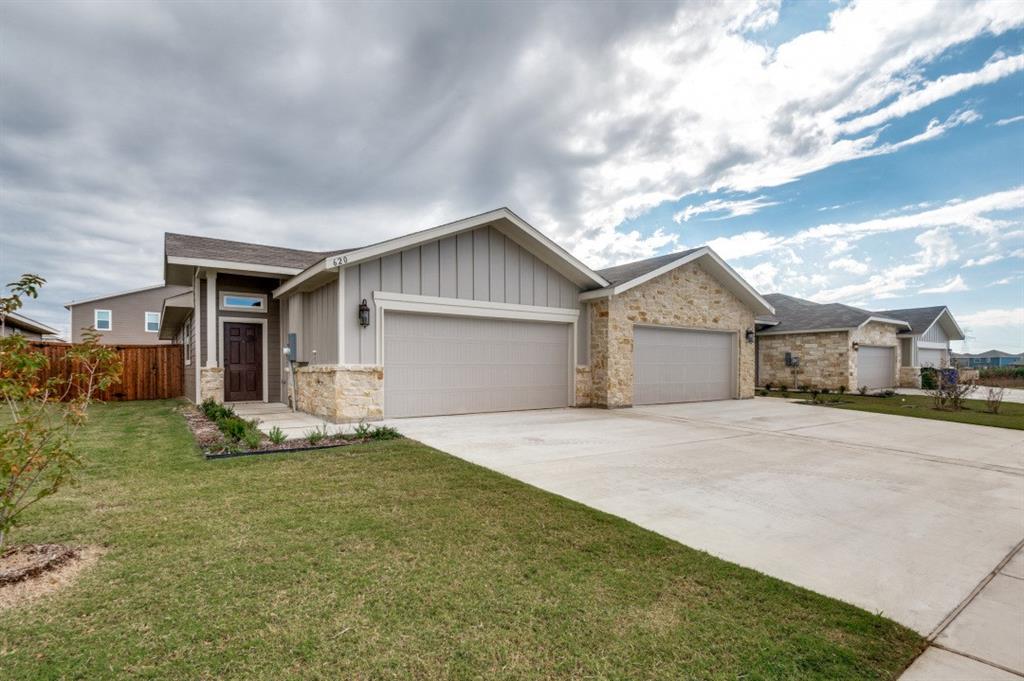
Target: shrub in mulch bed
{"type": "Point", "coordinates": [220, 433]}
{"type": "Point", "coordinates": [19, 563]}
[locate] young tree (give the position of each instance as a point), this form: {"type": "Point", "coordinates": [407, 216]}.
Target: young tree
{"type": "Point", "coordinates": [43, 409]}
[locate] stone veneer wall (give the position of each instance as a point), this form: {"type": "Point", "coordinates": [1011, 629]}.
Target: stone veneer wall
{"type": "Point", "coordinates": [824, 359]}
{"type": "Point", "coordinates": [874, 333]}
{"type": "Point", "coordinates": [687, 297]}
{"type": "Point", "coordinates": [341, 393]}
{"type": "Point", "coordinates": [910, 377]}
{"type": "Point", "coordinates": [583, 386]}
{"type": "Point", "coordinates": [211, 383]}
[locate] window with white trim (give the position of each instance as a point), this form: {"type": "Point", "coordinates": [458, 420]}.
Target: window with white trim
{"type": "Point", "coordinates": [253, 302]}
{"type": "Point", "coordinates": [152, 322]}
{"type": "Point", "coordinates": [102, 320]}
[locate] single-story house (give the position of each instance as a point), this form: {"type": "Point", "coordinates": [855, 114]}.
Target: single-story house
{"type": "Point", "coordinates": [123, 318]}
{"type": "Point", "coordinates": [831, 345]}
{"type": "Point", "coordinates": [927, 343]}
{"type": "Point", "coordinates": [981, 360]}
{"type": "Point", "coordinates": [827, 345]}
{"type": "Point", "coordinates": [481, 314]}
{"type": "Point", "coordinates": [14, 323]}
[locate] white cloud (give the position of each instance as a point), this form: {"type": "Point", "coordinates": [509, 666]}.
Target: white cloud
{"type": "Point", "coordinates": [762, 277]}
{"type": "Point", "coordinates": [953, 285]}
{"type": "Point", "coordinates": [1008, 121]}
{"type": "Point", "coordinates": [972, 214]}
{"type": "Point", "coordinates": [1009, 317]}
{"type": "Point", "coordinates": [849, 265]}
{"type": "Point", "coordinates": [745, 244]}
{"type": "Point", "coordinates": [730, 208]}
{"type": "Point", "coordinates": [929, 93]}
{"type": "Point", "coordinates": [937, 249]}
{"type": "Point", "coordinates": [986, 260]}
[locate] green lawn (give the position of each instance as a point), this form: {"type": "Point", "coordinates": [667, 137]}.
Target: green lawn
{"type": "Point", "coordinates": [1011, 414]}
{"type": "Point", "coordinates": [394, 561]}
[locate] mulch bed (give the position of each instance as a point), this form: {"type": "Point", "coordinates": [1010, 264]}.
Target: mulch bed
{"type": "Point", "coordinates": [19, 563]}
{"type": "Point", "coordinates": [214, 446]}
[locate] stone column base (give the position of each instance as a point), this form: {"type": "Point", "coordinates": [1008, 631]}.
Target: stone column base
{"type": "Point", "coordinates": [910, 377]}
{"type": "Point", "coordinates": [341, 393]}
{"type": "Point", "coordinates": [211, 383]}
{"type": "Point", "coordinates": [584, 386]}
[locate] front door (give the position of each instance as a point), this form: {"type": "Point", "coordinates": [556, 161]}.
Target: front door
{"type": "Point", "coordinates": [243, 362]}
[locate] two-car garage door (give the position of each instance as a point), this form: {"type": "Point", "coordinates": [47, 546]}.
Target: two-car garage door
{"type": "Point", "coordinates": [441, 364]}
{"type": "Point", "coordinates": [681, 365]}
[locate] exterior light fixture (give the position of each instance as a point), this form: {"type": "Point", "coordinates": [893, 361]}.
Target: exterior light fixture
{"type": "Point", "coordinates": [856, 346]}
{"type": "Point", "coordinates": [750, 335]}
{"type": "Point", "coordinates": [364, 313]}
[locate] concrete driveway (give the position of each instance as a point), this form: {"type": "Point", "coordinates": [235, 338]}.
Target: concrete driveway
{"type": "Point", "coordinates": [913, 518]}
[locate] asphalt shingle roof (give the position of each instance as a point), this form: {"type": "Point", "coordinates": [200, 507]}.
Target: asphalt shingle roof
{"type": "Point", "coordinates": [919, 318]}
{"type": "Point", "coordinates": [631, 270]}
{"type": "Point", "coordinates": [190, 246]}
{"type": "Point", "coordinates": [797, 314]}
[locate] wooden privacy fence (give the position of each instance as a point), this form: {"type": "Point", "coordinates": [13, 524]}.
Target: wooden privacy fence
{"type": "Point", "coordinates": [150, 372]}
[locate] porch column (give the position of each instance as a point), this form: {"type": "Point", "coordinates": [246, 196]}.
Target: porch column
{"type": "Point", "coordinates": [211, 378]}
{"type": "Point", "coordinates": [211, 319]}
{"type": "Point", "coordinates": [342, 317]}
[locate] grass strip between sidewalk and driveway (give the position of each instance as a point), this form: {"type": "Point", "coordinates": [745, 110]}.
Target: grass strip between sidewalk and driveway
{"type": "Point", "coordinates": [1011, 414]}
{"type": "Point", "coordinates": [393, 560]}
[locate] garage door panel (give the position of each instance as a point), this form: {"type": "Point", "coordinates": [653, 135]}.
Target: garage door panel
{"type": "Point", "coordinates": [679, 365]}
{"type": "Point", "coordinates": [876, 367]}
{"type": "Point", "coordinates": [436, 364]}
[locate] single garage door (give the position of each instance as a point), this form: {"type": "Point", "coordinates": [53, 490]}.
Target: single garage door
{"type": "Point", "coordinates": [438, 364]}
{"type": "Point", "coordinates": [876, 367]}
{"type": "Point", "coordinates": [930, 357]}
{"type": "Point", "coordinates": [677, 365]}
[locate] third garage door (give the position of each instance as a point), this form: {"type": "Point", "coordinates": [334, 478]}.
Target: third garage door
{"type": "Point", "coordinates": [876, 367]}
{"type": "Point", "coordinates": [439, 364]}
{"type": "Point", "coordinates": [680, 365]}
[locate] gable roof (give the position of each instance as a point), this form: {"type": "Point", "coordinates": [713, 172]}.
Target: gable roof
{"type": "Point", "coordinates": [184, 251]}
{"type": "Point", "coordinates": [633, 274]}
{"type": "Point", "coordinates": [795, 315]}
{"type": "Point", "coordinates": [923, 318]}
{"type": "Point", "coordinates": [620, 274]}
{"type": "Point", "coordinates": [502, 219]}
{"type": "Point", "coordinates": [15, 320]}
{"type": "Point", "coordinates": [118, 294]}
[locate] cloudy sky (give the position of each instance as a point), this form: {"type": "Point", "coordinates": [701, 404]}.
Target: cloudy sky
{"type": "Point", "coordinates": [864, 152]}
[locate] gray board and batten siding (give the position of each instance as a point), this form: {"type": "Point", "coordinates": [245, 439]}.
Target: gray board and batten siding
{"type": "Point", "coordinates": [482, 265]}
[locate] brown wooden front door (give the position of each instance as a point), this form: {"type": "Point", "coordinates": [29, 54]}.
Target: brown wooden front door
{"type": "Point", "coordinates": [243, 362]}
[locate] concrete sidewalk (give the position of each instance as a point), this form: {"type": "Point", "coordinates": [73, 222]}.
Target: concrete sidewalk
{"type": "Point", "coordinates": [296, 425]}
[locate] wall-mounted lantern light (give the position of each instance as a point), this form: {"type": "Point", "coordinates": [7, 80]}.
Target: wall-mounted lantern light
{"type": "Point", "coordinates": [856, 346]}
{"type": "Point", "coordinates": [750, 335]}
{"type": "Point", "coordinates": [364, 313]}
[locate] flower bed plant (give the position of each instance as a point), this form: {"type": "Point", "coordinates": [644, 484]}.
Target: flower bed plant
{"type": "Point", "coordinates": [221, 433]}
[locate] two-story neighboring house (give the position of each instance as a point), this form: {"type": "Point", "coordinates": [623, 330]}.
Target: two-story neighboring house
{"type": "Point", "coordinates": [14, 323]}
{"type": "Point", "coordinates": [123, 318]}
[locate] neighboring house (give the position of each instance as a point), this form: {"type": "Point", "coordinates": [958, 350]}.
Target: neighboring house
{"type": "Point", "coordinates": [982, 360]}
{"type": "Point", "coordinates": [840, 345]}
{"type": "Point", "coordinates": [927, 343]}
{"type": "Point", "coordinates": [124, 318]}
{"type": "Point", "coordinates": [482, 314]}
{"type": "Point", "coordinates": [15, 323]}
{"type": "Point", "coordinates": [827, 345]}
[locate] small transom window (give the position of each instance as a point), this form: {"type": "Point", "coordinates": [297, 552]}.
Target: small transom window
{"type": "Point", "coordinates": [102, 320]}
{"type": "Point", "coordinates": [152, 322]}
{"type": "Point", "coordinates": [254, 302]}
